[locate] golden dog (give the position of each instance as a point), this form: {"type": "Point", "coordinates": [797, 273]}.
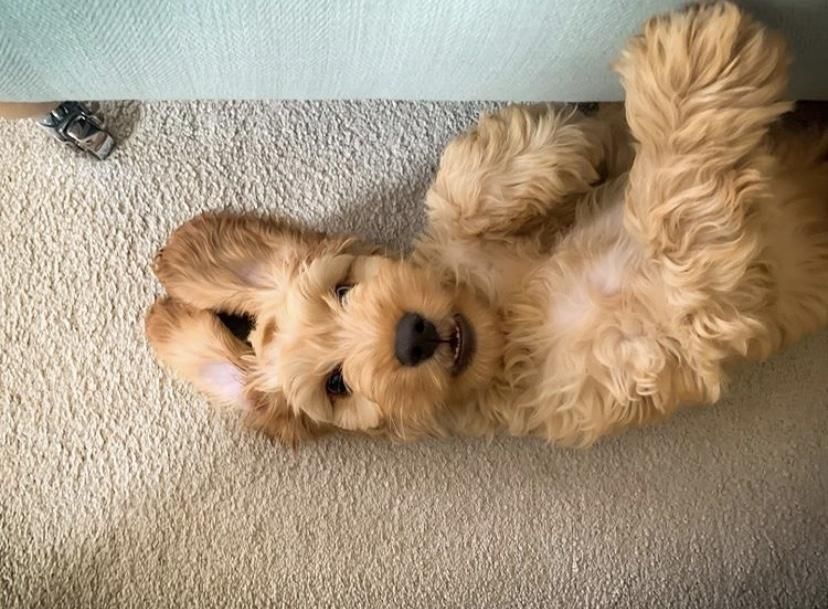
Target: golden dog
{"type": "Point", "coordinates": [577, 275]}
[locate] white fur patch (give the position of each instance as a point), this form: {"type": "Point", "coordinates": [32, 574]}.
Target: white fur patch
{"type": "Point", "coordinates": [572, 306]}
{"type": "Point", "coordinates": [225, 381]}
{"type": "Point", "coordinates": [607, 273]}
{"type": "Point", "coordinates": [603, 278]}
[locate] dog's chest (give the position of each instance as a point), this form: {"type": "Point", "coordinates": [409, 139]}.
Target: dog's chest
{"type": "Point", "coordinates": [496, 270]}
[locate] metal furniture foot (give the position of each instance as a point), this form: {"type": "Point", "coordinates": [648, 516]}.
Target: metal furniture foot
{"type": "Point", "coordinates": [78, 125]}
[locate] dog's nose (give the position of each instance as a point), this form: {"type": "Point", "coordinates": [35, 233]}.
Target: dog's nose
{"type": "Point", "coordinates": [416, 341]}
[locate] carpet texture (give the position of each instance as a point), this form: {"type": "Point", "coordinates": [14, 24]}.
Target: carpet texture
{"type": "Point", "coordinates": [120, 489]}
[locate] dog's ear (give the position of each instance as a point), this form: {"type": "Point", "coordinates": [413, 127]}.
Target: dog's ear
{"type": "Point", "coordinates": [270, 413]}
{"type": "Point", "coordinates": [222, 382]}
{"type": "Point", "coordinates": [232, 262]}
{"type": "Point", "coordinates": [199, 349]}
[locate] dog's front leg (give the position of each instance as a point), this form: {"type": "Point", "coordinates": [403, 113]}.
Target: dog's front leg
{"type": "Point", "coordinates": [519, 167]}
{"type": "Point", "coordinates": [703, 86]}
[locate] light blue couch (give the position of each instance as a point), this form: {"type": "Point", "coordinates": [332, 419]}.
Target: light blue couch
{"type": "Point", "coordinates": [403, 49]}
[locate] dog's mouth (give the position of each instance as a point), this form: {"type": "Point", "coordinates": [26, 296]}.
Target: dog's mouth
{"type": "Point", "coordinates": [462, 344]}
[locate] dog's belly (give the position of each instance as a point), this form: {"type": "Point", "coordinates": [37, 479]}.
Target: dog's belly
{"type": "Point", "coordinates": [586, 338]}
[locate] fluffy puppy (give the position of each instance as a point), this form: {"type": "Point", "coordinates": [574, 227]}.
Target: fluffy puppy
{"type": "Point", "coordinates": [577, 274]}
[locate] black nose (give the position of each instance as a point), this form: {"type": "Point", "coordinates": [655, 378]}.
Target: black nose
{"type": "Point", "coordinates": [416, 340]}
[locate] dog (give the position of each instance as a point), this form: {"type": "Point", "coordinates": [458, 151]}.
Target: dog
{"type": "Point", "coordinates": [578, 274]}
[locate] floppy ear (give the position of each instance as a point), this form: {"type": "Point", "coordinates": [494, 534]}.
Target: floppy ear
{"type": "Point", "coordinates": [202, 351]}
{"type": "Point", "coordinates": [232, 262]}
{"type": "Point", "coordinates": [199, 349]}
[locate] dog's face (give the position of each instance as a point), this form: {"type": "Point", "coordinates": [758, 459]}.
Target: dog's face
{"type": "Point", "coordinates": [374, 343]}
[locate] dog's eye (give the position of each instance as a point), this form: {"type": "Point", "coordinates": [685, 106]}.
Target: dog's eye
{"type": "Point", "coordinates": [342, 290]}
{"type": "Point", "coordinates": [335, 384]}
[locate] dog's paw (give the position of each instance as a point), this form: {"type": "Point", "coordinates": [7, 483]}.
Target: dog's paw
{"type": "Point", "coordinates": [516, 168]}
{"type": "Point", "coordinates": [708, 49]}
{"type": "Point", "coordinates": [707, 77]}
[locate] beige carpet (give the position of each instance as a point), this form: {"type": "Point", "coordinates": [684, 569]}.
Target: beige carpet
{"type": "Point", "coordinates": [120, 489]}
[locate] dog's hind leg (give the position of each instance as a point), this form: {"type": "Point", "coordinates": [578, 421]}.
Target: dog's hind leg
{"type": "Point", "coordinates": [520, 167]}
{"type": "Point", "coordinates": [703, 87]}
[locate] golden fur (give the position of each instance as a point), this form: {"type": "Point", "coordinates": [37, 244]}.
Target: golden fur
{"type": "Point", "coordinates": [610, 266]}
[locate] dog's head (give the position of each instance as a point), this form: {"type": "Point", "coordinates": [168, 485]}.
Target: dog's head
{"type": "Point", "coordinates": [362, 341]}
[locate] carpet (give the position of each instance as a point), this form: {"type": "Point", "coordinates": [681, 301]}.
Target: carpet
{"type": "Point", "coordinates": [121, 489]}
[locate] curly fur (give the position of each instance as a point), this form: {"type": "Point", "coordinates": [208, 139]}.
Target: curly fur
{"type": "Point", "coordinates": [611, 266]}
